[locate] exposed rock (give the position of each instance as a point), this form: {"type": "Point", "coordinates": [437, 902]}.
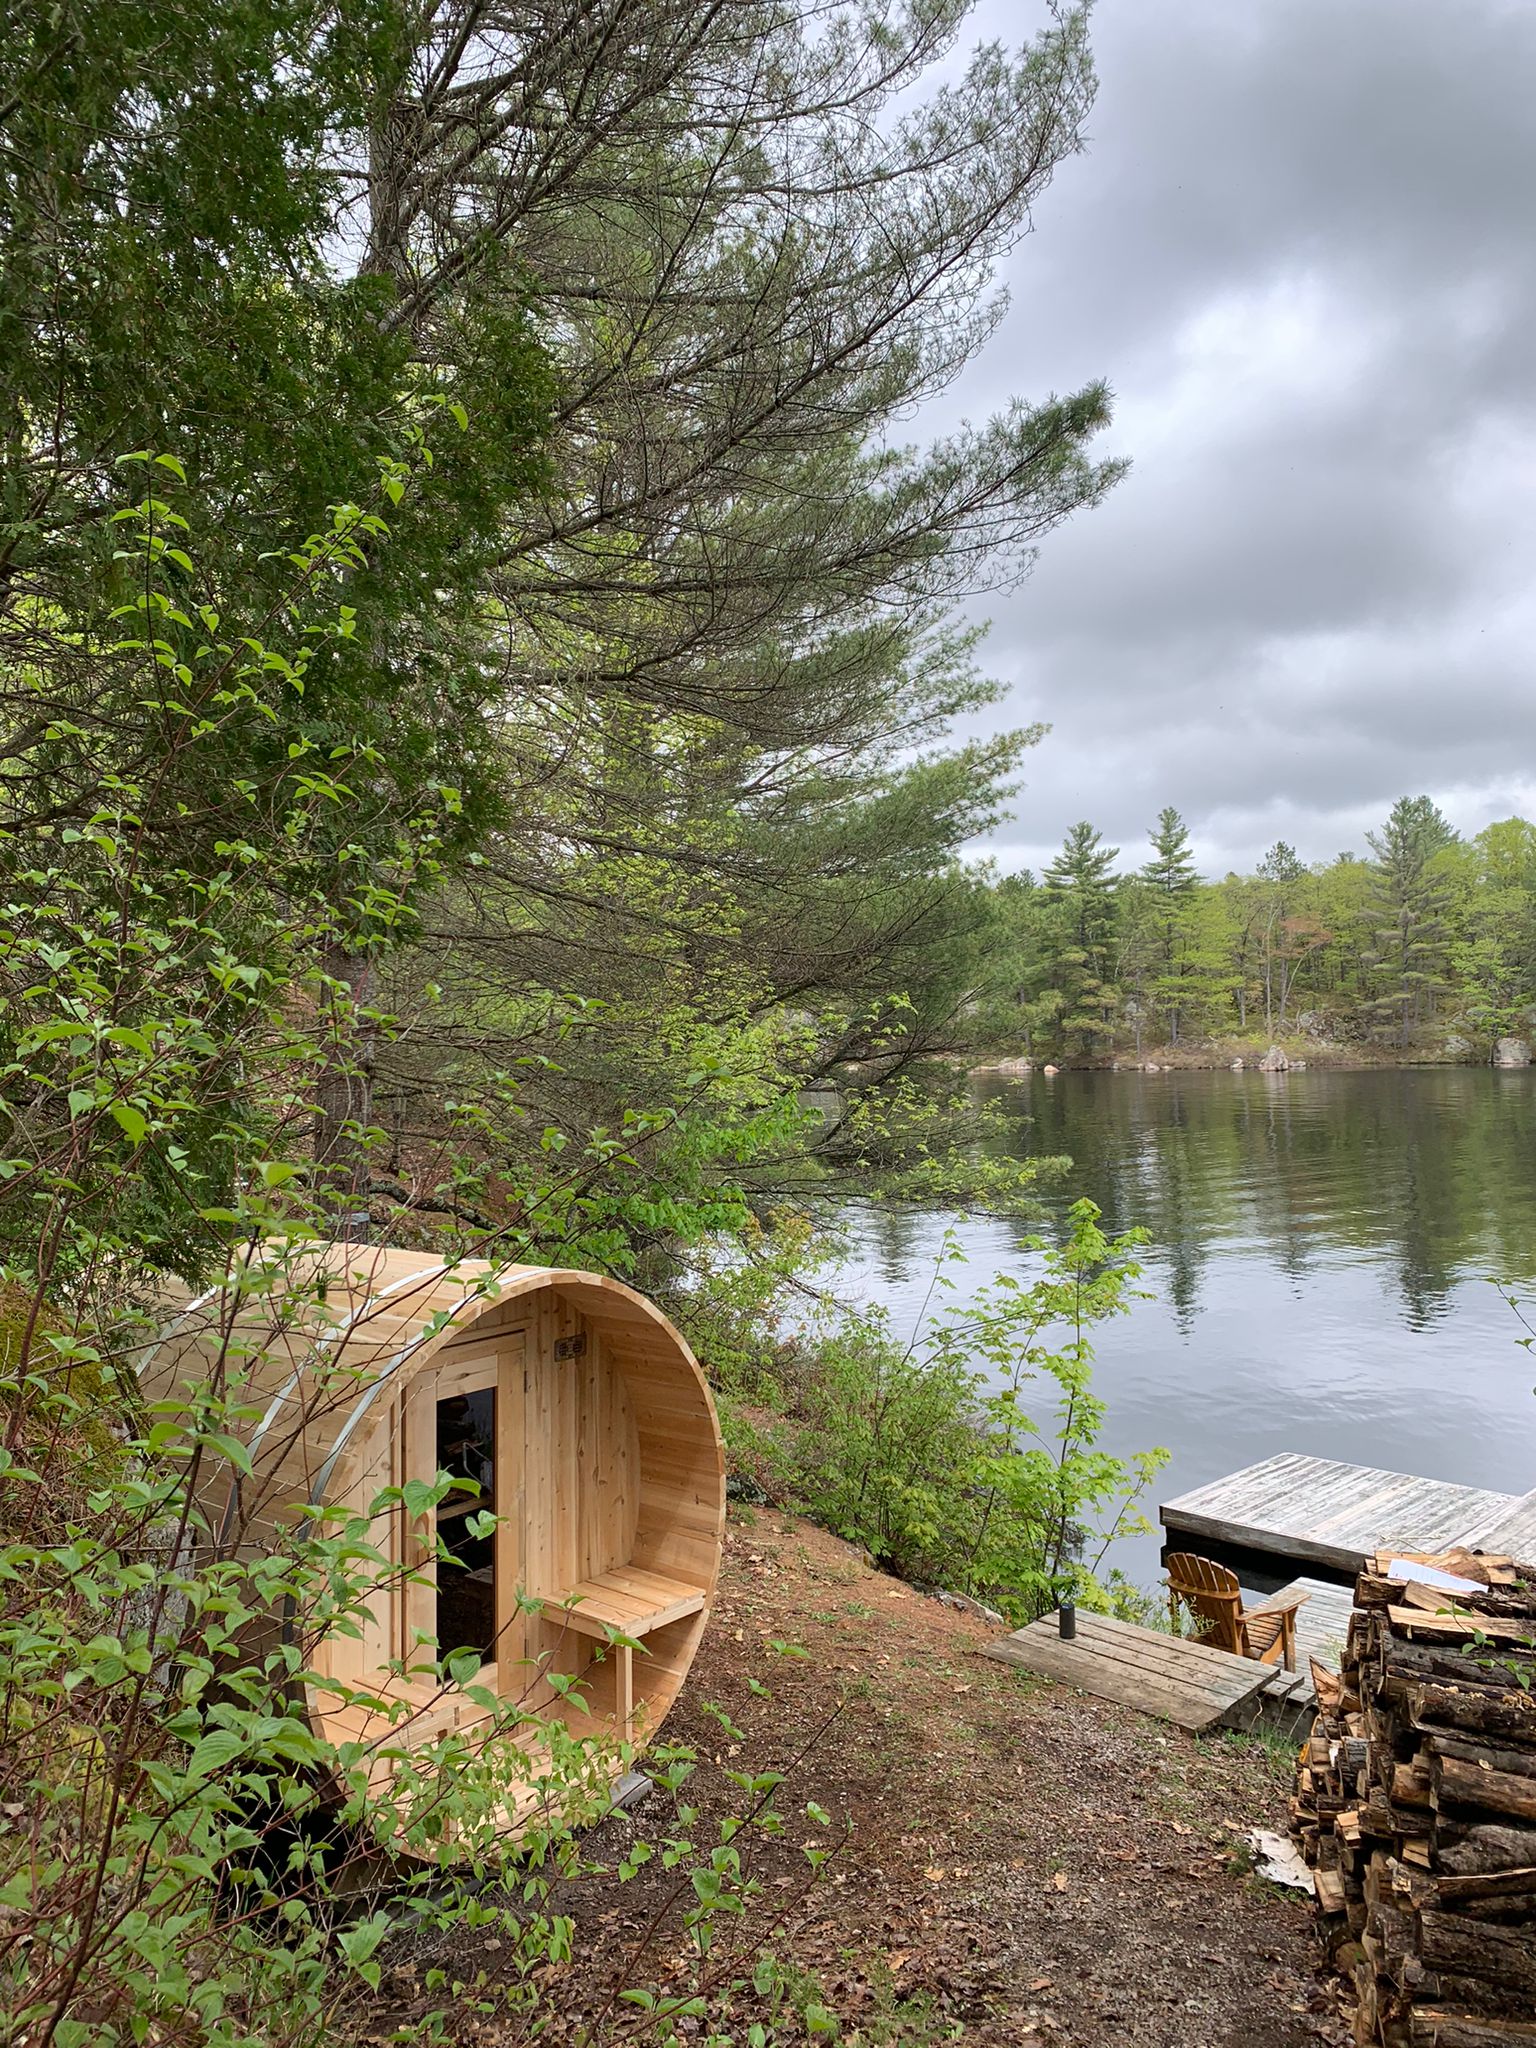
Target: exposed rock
{"type": "Point", "coordinates": [1237, 1066]}
{"type": "Point", "coordinates": [1048, 1069]}
{"type": "Point", "coordinates": [630, 1791]}
{"type": "Point", "coordinates": [967, 1605]}
{"type": "Point", "coordinates": [1512, 1052]}
{"type": "Point", "coordinates": [1298, 1066]}
{"type": "Point", "coordinates": [1456, 1047]}
{"type": "Point", "coordinates": [1274, 1062]}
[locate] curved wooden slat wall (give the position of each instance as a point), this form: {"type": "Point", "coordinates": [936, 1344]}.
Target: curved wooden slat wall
{"type": "Point", "coordinates": [324, 1349]}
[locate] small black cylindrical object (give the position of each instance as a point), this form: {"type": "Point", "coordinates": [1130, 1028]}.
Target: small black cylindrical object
{"type": "Point", "coordinates": [1066, 1619]}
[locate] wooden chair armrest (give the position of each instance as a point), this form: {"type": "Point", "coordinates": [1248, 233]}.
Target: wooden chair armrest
{"type": "Point", "coordinates": [1282, 1603]}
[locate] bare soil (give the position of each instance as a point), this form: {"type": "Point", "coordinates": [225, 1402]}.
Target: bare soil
{"type": "Point", "coordinates": [1011, 1857]}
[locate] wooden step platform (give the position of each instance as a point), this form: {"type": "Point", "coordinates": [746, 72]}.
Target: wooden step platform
{"type": "Point", "coordinates": [1179, 1681]}
{"type": "Point", "coordinates": [1319, 1512]}
{"type": "Point", "coordinates": [1323, 1623]}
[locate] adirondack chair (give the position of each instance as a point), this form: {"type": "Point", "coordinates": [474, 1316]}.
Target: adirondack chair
{"type": "Point", "coordinates": [1211, 1593]}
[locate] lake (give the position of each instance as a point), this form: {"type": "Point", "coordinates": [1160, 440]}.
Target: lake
{"type": "Point", "coordinates": [1321, 1251]}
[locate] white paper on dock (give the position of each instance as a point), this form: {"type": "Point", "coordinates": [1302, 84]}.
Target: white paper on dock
{"type": "Point", "coordinates": [1406, 1573]}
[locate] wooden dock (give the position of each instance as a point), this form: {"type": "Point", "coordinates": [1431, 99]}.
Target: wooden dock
{"type": "Point", "coordinates": [1306, 1510]}
{"type": "Point", "coordinates": [1177, 1680]}
{"type": "Point", "coordinates": [1318, 1512]}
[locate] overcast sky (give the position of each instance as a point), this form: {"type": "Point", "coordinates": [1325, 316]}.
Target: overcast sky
{"type": "Point", "coordinates": [1302, 249]}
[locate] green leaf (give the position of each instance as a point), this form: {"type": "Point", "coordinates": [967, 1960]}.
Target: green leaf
{"type": "Point", "coordinates": [213, 1753]}
{"type": "Point", "coordinates": [132, 1121]}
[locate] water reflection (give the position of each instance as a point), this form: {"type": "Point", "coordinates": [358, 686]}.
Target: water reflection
{"type": "Point", "coordinates": [1321, 1245]}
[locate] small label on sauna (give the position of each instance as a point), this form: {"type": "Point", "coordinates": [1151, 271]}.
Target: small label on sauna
{"type": "Point", "coordinates": [571, 1347]}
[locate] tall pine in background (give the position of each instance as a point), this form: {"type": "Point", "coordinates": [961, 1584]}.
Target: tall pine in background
{"type": "Point", "coordinates": [1080, 891]}
{"type": "Point", "coordinates": [1409, 909]}
{"type": "Point", "coordinates": [1170, 880]}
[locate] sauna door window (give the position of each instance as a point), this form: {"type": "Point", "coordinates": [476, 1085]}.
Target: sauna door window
{"type": "Point", "coordinates": [466, 1563]}
{"type": "Point", "coordinates": [460, 1418]}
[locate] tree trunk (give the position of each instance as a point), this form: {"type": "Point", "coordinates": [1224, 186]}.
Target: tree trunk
{"type": "Point", "coordinates": [344, 1096]}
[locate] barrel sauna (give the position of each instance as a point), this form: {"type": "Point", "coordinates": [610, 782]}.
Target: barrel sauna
{"type": "Point", "coordinates": [566, 1396]}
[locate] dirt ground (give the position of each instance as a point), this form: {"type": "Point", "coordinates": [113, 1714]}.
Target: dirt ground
{"type": "Point", "coordinates": [1011, 1858]}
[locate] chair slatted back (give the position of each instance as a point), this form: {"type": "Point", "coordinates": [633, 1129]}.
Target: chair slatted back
{"type": "Point", "coordinates": [1210, 1592]}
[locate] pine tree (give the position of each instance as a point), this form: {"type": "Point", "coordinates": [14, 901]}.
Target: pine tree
{"type": "Point", "coordinates": [1281, 864]}
{"type": "Point", "coordinates": [1081, 882]}
{"type": "Point", "coordinates": [1171, 879]}
{"type": "Point", "coordinates": [1171, 870]}
{"type": "Point", "coordinates": [1408, 922]}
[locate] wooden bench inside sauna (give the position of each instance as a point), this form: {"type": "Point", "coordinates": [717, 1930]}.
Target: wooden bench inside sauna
{"type": "Point", "coordinates": [568, 1398]}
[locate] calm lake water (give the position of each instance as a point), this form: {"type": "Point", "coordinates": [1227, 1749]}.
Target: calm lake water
{"type": "Point", "coordinates": [1321, 1251]}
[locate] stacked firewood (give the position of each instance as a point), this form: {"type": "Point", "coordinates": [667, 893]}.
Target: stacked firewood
{"type": "Point", "coordinates": [1416, 1804]}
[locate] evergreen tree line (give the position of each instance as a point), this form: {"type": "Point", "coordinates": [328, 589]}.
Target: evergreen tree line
{"type": "Point", "coordinates": [1426, 944]}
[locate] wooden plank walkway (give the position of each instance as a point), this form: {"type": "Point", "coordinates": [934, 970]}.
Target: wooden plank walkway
{"type": "Point", "coordinates": [1320, 1512]}
{"type": "Point", "coordinates": [1179, 1681]}
{"type": "Point", "coordinates": [1323, 1623]}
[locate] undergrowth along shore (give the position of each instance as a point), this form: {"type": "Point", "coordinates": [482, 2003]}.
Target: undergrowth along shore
{"type": "Point", "coordinates": [967, 1456]}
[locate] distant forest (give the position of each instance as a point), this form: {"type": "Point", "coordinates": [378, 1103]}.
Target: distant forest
{"type": "Point", "coordinates": [1426, 945]}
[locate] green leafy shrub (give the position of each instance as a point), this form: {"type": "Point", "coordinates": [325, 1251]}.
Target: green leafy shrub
{"type": "Point", "coordinates": [932, 1454]}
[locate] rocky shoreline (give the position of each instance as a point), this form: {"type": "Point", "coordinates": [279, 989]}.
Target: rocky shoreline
{"type": "Point", "coordinates": [1506, 1053]}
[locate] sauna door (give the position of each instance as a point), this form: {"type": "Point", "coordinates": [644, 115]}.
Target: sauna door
{"type": "Point", "coordinates": [543, 1425]}
{"type": "Point", "coordinates": [464, 1417]}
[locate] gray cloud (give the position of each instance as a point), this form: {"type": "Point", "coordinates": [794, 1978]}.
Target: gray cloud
{"type": "Point", "coordinates": [1300, 249]}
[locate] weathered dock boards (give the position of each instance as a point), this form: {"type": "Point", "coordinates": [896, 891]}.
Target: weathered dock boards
{"type": "Point", "coordinates": [1321, 1512]}
{"type": "Point", "coordinates": [1511, 1533]}
{"type": "Point", "coordinates": [1323, 1623]}
{"type": "Point", "coordinates": [1177, 1680]}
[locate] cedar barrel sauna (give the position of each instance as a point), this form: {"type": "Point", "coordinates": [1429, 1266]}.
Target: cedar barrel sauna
{"type": "Point", "coordinates": [568, 1397]}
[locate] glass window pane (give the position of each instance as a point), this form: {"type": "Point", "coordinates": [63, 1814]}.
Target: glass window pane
{"type": "Point", "coordinates": [466, 1578]}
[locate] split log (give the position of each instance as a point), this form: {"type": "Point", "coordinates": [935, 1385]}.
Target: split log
{"type": "Point", "coordinates": [1463, 1852]}
{"type": "Point", "coordinates": [1508, 1716]}
{"type": "Point", "coordinates": [1500, 1956]}
{"type": "Point", "coordinates": [1412, 1785]}
{"type": "Point", "coordinates": [1470, 1784]}
{"type": "Point", "coordinates": [1447, 1624]}
{"type": "Point", "coordinates": [1434, 2027]}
